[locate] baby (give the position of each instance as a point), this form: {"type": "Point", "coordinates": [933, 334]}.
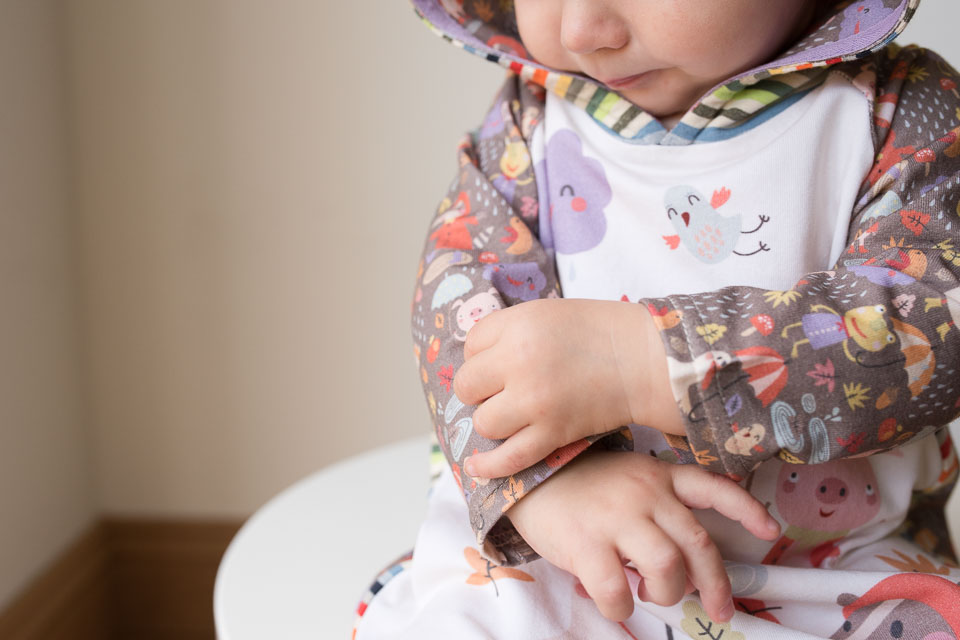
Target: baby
{"type": "Point", "coordinates": [779, 200]}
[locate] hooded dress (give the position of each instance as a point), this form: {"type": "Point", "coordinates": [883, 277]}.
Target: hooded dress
{"type": "Point", "coordinates": [795, 238]}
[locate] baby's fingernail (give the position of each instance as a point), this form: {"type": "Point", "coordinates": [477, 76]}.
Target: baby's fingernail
{"type": "Point", "coordinates": [469, 467]}
{"type": "Point", "coordinates": [773, 526]}
{"type": "Point", "coordinates": [727, 611]}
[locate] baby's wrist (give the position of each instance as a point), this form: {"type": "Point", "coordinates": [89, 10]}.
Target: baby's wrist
{"type": "Point", "coordinates": [651, 396]}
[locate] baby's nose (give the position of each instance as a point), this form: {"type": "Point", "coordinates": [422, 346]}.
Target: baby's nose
{"type": "Point", "coordinates": [832, 491]}
{"type": "Point", "coordinates": [588, 26]}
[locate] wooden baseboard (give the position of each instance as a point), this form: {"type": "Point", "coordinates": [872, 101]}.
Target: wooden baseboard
{"type": "Point", "coordinates": [68, 600]}
{"type": "Point", "coordinates": [126, 578]}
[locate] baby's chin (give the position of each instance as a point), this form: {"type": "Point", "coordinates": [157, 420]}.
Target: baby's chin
{"type": "Point", "coordinates": [662, 106]}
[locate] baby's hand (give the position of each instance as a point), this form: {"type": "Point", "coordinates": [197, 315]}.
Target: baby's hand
{"type": "Point", "coordinates": [606, 508]}
{"type": "Point", "coordinates": [550, 372]}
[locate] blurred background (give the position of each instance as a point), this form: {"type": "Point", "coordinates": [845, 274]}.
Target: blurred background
{"type": "Point", "coordinates": [212, 212]}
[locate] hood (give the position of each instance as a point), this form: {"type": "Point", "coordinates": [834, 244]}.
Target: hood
{"type": "Point", "coordinates": [841, 32]}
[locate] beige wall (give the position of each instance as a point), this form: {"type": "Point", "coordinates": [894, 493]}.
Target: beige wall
{"type": "Point", "coordinates": [254, 179]}
{"type": "Point", "coordinates": [46, 496]}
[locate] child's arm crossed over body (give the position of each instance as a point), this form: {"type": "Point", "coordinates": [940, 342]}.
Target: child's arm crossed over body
{"type": "Point", "coordinates": [550, 372]}
{"type": "Point", "coordinates": [880, 363]}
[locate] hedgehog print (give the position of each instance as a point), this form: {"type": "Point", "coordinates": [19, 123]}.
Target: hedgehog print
{"type": "Point", "coordinates": [709, 235]}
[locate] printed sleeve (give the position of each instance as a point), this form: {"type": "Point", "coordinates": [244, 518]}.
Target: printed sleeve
{"type": "Point", "coordinates": [483, 253]}
{"type": "Point", "coordinates": [860, 358]}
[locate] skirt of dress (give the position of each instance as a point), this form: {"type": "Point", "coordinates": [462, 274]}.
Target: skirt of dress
{"type": "Point", "coordinates": [887, 588]}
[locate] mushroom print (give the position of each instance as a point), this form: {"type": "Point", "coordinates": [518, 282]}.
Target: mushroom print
{"type": "Point", "coordinates": [925, 156]}
{"type": "Point", "coordinates": [953, 139]}
{"type": "Point", "coordinates": [762, 323]}
{"type": "Point", "coordinates": [949, 85]}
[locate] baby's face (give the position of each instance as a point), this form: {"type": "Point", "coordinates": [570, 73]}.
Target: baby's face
{"type": "Point", "coordinates": [662, 55]}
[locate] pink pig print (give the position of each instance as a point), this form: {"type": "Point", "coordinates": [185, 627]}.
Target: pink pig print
{"type": "Point", "coordinates": [821, 503]}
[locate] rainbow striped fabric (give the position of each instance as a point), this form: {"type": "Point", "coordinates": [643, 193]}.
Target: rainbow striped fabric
{"type": "Point", "coordinates": [723, 112]}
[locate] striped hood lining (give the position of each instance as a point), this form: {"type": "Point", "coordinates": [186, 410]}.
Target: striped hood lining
{"type": "Point", "coordinates": [482, 28]}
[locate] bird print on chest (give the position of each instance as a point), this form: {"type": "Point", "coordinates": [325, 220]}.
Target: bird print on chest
{"type": "Point", "coordinates": [709, 235]}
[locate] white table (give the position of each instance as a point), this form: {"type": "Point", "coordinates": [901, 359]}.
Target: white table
{"type": "Point", "coordinates": [299, 566]}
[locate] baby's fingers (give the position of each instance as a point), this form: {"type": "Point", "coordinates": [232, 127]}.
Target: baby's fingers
{"type": "Point", "coordinates": [497, 417]}
{"type": "Point", "coordinates": [700, 489]}
{"type": "Point", "coordinates": [604, 578]}
{"type": "Point", "coordinates": [523, 449]}
{"type": "Point", "coordinates": [479, 378]}
{"type": "Point", "coordinates": [659, 561]}
{"type": "Point", "coordinates": [701, 558]}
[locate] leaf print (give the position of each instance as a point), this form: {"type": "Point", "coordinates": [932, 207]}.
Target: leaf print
{"type": "Point", "coordinates": [697, 624]}
{"type": "Point", "coordinates": [823, 374]}
{"type": "Point", "coordinates": [887, 398]}
{"type": "Point", "coordinates": [513, 492]}
{"type": "Point", "coordinates": [756, 608]}
{"type": "Point", "coordinates": [921, 564]}
{"type": "Point", "coordinates": [854, 442]}
{"type": "Point", "coordinates": [903, 303]}
{"type": "Point", "coordinates": [888, 428]}
{"type": "Point", "coordinates": [486, 571]}
{"type": "Point", "coordinates": [446, 376]}
{"type": "Point", "coordinates": [915, 221]}
{"type": "Point", "coordinates": [899, 244]}
{"type": "Point", "coordinates": [781, 297]}
{"type": "Point", "coordinates": [917, 73]}
{"type": "Point", "coordinates": [856, 395]}
{"type": "Point", "coordinates": [711, 332]}
{"type": "Point", "coordinates": [703, 457]}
